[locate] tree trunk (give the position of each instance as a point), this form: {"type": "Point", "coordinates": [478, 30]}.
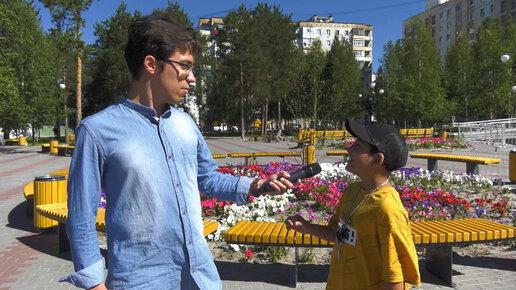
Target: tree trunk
{"type": "Point", "coordinates": [242, 114]}
{"type": "Point", "coordinates": [79, 72]}
{"type": "Point", "coordinates": [279, 114]}
{"type": "Point", "coordinates": [315, 111]}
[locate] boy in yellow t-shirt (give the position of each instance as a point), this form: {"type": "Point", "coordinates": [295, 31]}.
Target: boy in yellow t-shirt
{"type": "Point", "coordinates": [373, 243]}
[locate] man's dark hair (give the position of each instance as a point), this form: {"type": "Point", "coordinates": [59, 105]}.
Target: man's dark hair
{"type": "Point", "coordinates": [159, 37]}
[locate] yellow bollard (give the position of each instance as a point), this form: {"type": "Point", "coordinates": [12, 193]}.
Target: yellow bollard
{"type": "Point", "coordinates": [48, 189]}
{"type": "Point", "coordinates": [53, 149]}
{"type": "Point", "coordinates": [512, 165]}
{"type": "Point", "coordinates": [22, 141]}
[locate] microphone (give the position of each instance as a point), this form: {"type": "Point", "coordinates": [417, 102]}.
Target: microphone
{"type": "Point", "coordinates": [305, 172]}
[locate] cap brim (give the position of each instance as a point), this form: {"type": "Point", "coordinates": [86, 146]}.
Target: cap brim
{"type": "Point", "coordinates": [356, 129]}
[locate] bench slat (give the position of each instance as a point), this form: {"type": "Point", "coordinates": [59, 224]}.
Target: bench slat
{"type": "Point", "coordinates": [444, 232]}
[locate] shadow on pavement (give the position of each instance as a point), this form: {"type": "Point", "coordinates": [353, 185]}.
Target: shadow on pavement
{"type": "Point", "coordinates": [280, 274]}
{"type": "Point", "coordinates": [486, 262]}
{"type": "Point", "coordinates": [46, 243]}
{"type": "Point", "coordinates": [42, 241]}
{"type": "Point", "coordinates": [18, 219]}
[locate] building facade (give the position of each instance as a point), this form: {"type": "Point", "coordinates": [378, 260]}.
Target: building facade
{"type": "Point", "coordinates": [326, 30]}
{"type": "Point", "coordinates": [449, 19]}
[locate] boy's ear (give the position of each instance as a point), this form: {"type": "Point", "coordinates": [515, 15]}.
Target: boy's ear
{"type": "Point", "coordinates": [378, 159]}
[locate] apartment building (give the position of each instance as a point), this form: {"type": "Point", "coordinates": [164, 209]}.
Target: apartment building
{"type": "Point", "coordinates": [326, 30]}
{"type": "Point", "coordinates": [449, 19]}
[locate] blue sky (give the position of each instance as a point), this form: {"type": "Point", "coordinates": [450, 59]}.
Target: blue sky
{"type": "Point", "coordinates": [385, 16]}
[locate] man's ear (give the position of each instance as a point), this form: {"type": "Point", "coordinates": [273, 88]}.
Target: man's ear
{"type": "Point", "coordinates": [150, 64]}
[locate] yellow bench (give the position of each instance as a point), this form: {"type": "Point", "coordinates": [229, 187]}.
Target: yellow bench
{"type": "Point", "coordinates": [472, 162]}
{"type": "Point", "coordinates": [59, 213]}
{"type": "Point", "coordinates": [337, 153]}
{"type": "Point", "coordinates": [63, 150]}
{"type": "Point", "coordinates": [11, 141]}
{"type": "Point", "coordinates": [215, 156]}
{"type": "Point", "coordinates": [45, 148]}
{"type": "Point", "coordinates": [417, 133]}
{"type": "Point", "coordinates": [262, 154]}
{"type": "Point", "coordinates": [437, 236]}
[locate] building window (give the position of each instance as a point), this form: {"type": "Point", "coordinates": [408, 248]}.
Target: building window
{"type": "Point", "coordinates": [470, 16]}
{"type": "Point", "coordinates": [492, 8]}
{"type": "Point", "coordinates": [482, 12]}
{"type": "Point", "coordinates": [328, 32]}
{"type": "Point", "coordinates": [318, 32]}
{"type": "Point", "coordinates": [433, 19]}
{"type": "Point", "coordinates": [502, 6]}
{"type": "Point", "coordinates": [448, 12]}
{"type": "Point", "coordinates": [328, 42]}
{"type": "Point", "coordinates": [458, 20]}
{"type": "Point", "coordinates": [309, 29]}
{"type": "Point", "coordinates": [358, 53]}
{"type": "Point", "coordinates": [347, 32]}
{"type": "Point", "coordinates": [440, 16]}
{"type": "Point", "coordinates": [458, 8]}
{"type": "Point", "coordinates": [358, 42]}
{"type": "Point", "coordinates": [447, 37]}
{"type": "Point", "coordinates": [471, 3]}
{"type": "Point", "coordinates": [337, 32]}
{"type": "Point", "coordinates": [440, 39]}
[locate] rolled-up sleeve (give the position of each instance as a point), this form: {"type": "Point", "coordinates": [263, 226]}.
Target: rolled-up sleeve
{"type": "Point", "coordinates": [84, 189]}
{"type": "Point", "coordinates": [216, 184]}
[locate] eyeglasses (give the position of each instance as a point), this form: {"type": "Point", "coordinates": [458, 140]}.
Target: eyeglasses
{"type": "Point", "coordinates": [186, 68]}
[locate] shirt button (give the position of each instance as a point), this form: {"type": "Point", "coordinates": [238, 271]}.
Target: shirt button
{"type": "Point", "coordinates": [193, 270]}
{"type": "Point", "coordinates": [169, 157]}
{"type": "Point", "coordinates": [190, 242]}
{"type": "Point", "coordinates": [183, 213]}
{"type": "Point", "coordinates": [178, 185]}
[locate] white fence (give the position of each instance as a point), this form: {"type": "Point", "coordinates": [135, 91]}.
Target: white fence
{"type": "Point", "coordinates": [500, 131]}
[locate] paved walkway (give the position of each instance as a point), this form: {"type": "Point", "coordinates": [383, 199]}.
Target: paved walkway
{"type": "Point", "coordinates": [30, 259]}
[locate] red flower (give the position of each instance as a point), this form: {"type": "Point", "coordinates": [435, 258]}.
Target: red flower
{"type": "Point", "coordinates": [249, 254]}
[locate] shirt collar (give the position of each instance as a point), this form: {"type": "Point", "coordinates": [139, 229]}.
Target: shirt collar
{"type": "Point", "coordinates": [144, 110]}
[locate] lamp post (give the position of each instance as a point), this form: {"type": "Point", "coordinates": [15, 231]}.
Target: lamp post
{"type": "Point", "coordinates": [62, 86]}
{"type": "Point", "coordinates": [505, 58]}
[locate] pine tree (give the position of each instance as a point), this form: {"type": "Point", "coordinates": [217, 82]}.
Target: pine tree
{"type": "Point", "coordinates": [460, 76]}
{"type": "Point", "coordinates": [108, 72]}
{"type": "Point", "coordinates": [343, 85]}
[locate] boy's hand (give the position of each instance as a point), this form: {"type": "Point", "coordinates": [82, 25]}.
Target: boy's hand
{"type": "Point", "coordinates": [296, 223]}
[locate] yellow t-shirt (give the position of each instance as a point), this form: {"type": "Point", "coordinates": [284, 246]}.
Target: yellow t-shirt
{"type": "Point", "coordinates": [384, 248]}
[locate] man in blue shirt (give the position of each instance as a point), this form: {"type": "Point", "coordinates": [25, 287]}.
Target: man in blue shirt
{"type": "Point", "coordinates": [151, 161]}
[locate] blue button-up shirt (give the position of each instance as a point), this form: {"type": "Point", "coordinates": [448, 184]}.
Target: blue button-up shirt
{"type": "Point", "coordinates": [151, 172]}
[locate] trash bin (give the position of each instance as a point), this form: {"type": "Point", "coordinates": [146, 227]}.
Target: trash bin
{"type": "Point", "coordinates": [22, 141]}
{"type": "Point", "coordinates": [443, 134]}
{"type": "Point", "coordinates": [512, 165]}
{"type": "Point", "coordinates": [48, 189]}
{"type": "Point", "coordinates": [53, 144]}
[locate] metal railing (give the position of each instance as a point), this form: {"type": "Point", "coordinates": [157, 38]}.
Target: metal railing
{"type": "Point", "coordinates": [499, 131]}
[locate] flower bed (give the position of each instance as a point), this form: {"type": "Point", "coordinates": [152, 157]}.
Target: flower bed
{"type": "Point", "coordinates": [430, 142]}
{"type": "Point", "coordinates": [426, 195]}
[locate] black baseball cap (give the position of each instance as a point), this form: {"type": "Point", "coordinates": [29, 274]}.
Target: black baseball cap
{"type": "Point", "coordinates": [385, 138]}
